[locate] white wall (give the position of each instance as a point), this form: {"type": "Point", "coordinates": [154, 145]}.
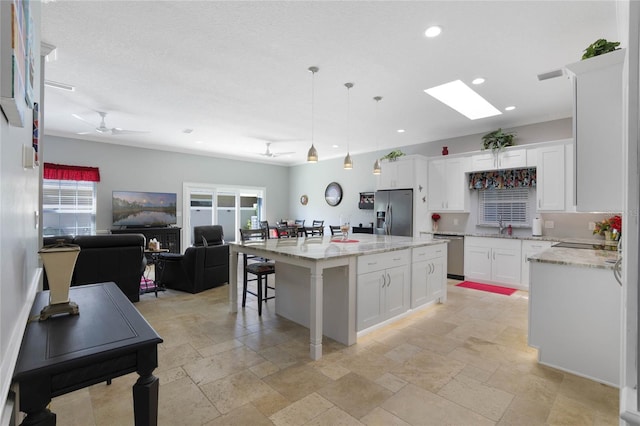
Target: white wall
{"type": "Point", "coordinates": [19, 266]}
{"type": "Point", "coordinates": [312, 179]}
{"type": "Point", "coordinates": [137, 169]}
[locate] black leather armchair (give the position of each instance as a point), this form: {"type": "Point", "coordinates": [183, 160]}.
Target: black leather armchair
{"type": "Point", "coordinates": [103, 258]}
{"type": "Point", "coordinates": [202, 266]}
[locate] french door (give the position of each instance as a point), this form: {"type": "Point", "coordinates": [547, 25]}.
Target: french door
{"type": "Point", "coordinates": [232, 207]}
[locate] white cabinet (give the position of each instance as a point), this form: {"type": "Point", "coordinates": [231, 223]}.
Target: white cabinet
{"type": "Point", "coordinates": [597, 131]}
{"type": "Point", "coordinates": [383, 287]}
{"type": "Point", "coordinates": [531, 248]}
{"type": "Point", "coordinates": [495, 260]}
{"type": "Point", "coordinates": [550, 188]}
{"type": "Point", "coordinates": [506, 159]}
{"type": "Point", "coordinates": [447, 183]}
{"type": "Point", "coordinates": [428, 274]}
{"type": "Point", "coordinates": [397, 174]}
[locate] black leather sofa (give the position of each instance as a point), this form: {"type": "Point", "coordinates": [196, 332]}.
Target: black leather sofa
{"type": "Point", "coordinates": [203, 266]}
{"type": "Point", "coordinates": [110, 257]}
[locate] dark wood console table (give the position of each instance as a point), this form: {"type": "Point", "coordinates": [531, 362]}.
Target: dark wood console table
{"type": "Point", "coordinates": [169, 237]}
{"type": "Point", "coordinates": [69, 352]}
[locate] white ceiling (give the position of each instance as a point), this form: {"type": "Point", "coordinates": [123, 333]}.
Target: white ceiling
{"type": "Point", "coordinates": [236, 72]}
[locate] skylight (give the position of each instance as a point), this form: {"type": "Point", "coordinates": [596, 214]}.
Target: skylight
{"type": "Point", "coordinates": [463, 99]}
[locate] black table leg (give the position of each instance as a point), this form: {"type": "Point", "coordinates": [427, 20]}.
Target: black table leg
{"type": "Point", "coordinates": [145, 400]}
{"type": "Point", "coordinates": [34, 397]}
{"type": "Point", "coordinates": [43, 417]}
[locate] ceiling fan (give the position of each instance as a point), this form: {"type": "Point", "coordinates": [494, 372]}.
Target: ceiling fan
{"type": "Point", "coordinates": [102, 127]}
{"type": "Point", "coordinates": [270, 154]}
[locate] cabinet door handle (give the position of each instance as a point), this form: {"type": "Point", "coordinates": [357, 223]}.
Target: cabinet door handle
{"type": "Point", "coordinates": [372, 263]}
{"type": "Point", "coordinates": [539, 202]}
{"type": "Point", "coordinates": [494, 255]}
{"type": "Point", "coordinates": [488, 258]}
{"type": "Point", "coordinates": [389, 280]}
{"type": "Point", "coordinates": [384, 280]}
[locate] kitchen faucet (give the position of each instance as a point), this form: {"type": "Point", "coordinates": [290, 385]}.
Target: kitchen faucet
{"type": "Point", "coordinates": [501, 226]}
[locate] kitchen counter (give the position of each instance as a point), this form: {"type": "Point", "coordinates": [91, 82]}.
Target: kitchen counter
{"type": "Point", "coordinates": [575, 312]}
{"type": "Point", "coordinates": [316, 279]}
{"type": "Point", "coordinates": [586, 258]}
{"type": "Point", "coordinates": [495, 235]}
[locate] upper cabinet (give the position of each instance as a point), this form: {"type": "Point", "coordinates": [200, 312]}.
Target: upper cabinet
{"type": "Point", "coordinates": [447, 183]}
{"type": "Point", "coordinates": [505, 159]}
{"type": "Point", "coordinates": [551, 183]}
{"type": "Point", "coordinates": [597, 130]}
{"type": "Point", "coordinates": [397, 174]}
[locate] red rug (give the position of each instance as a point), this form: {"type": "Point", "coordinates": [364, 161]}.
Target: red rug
{"type": "Point", "coordinates": [487, 287]}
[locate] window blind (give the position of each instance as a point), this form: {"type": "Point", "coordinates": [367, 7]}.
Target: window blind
{"type": "Point", "coordinates": [511, 205]}
{"type": "Point", "coordinates": [69, 207]}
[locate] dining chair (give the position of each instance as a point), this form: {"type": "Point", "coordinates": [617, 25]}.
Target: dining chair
{"type": "Point", "coordinates": [299, 223]}
{"type": "Point", "coordinates": [316, 229]}
{"type": "Point", "coordinates": [287, 231]}
{"type": "Point", "coordinates": [335, 229]}
{"type": "Point", "coordinates": [260, 269]}
{"type": "Point", "coordinates": [264, 224]}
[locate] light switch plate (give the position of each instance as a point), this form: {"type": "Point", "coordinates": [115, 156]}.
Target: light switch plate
{"type": "Point", "coordinates": [549, 224]}
{"type": "Point", "coordinates": [592, 226]}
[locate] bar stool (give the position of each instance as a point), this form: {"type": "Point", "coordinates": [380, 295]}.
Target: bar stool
{"type": "Point", "coordinates": [260, 269]}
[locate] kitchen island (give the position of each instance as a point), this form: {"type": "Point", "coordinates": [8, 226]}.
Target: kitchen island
{"type": "Point", "coordinates": [316, 278]}
{"type": "Point", "coordinates": [575, 314]}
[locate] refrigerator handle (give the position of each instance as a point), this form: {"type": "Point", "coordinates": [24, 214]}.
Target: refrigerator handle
{"type": "Point", "coordinates": [390, 219]}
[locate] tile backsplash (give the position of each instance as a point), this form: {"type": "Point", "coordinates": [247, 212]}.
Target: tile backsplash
{"type": "Point", "coordinates": [565, 225]}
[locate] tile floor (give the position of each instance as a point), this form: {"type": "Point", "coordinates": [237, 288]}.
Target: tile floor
{"type": "Point", "coordinates": [465, 362]}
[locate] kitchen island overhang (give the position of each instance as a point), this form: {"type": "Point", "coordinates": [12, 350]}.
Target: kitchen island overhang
{"type": "Point", "coordinates": [325, 269]}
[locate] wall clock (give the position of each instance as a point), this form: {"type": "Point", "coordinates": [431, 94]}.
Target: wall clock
{"type": "Point", "coordinates": [333, 194]}
{"type": "Point", "coordinates": [304, 200]}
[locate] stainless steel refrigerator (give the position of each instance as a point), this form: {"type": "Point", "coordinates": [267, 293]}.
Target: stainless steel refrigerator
{"type": "Point", "coordinates": [394, 212]}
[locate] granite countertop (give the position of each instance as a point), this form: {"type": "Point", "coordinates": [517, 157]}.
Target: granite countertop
{"type": "Point", "coordinates": [494, 235]}
{"type": "Point", "coordinates": [327, 247]}
{"type": "Point", "coordinates": [587, 258]}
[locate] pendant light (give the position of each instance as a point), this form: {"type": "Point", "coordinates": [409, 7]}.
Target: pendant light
{"type": "Point", "coordinates": [376, 166]}
{"type": "Point", "coordinates": [312, 155]}
{"type": "Point", "coordinates": [348, 164]}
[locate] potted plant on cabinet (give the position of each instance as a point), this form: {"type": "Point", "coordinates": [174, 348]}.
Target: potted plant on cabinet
{"type": "Point", "coordinates": [497, 140]}
{"type": "Point", "coordinates": [600, 47]}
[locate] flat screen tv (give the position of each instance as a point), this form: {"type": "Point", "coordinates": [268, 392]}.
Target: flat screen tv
{"type": "Point", "coordinates": [143, 209]}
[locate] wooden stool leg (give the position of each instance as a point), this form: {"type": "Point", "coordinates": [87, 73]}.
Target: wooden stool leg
{"type": "Point", "coordinates": [260, 293]}
{"type": "Point", "coordinates": [244, 282]}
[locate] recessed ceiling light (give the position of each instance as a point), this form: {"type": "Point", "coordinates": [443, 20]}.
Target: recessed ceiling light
{"type": "Point", "coordinates": [198, 141]}
{"type": "Point", "coordinates": [478, 80]}
{"type": "Point", "coordinates": [334, 146]}
{"type": "Point", "coordinates": [463, 99]}
{"type": "Point", "coordinates": [400, 130]}
{"type": "Point", "coordinates": [433, 31]}
{"type": "Point", "coordinates": [510, 108]}
{"type": "Point", "coordinates": [187, 131]}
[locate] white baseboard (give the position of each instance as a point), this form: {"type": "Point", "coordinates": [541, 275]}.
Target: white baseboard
{"type": "Point", "coordinates": [8, 362]}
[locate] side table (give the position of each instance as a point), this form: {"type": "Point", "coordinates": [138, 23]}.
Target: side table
{"type": "Point", "coordinates": [154, 259]}
{"type": "Point", "coordinates": [108, 339]}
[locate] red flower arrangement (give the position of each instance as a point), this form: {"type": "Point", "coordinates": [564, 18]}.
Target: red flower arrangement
{"type": "Point", "coordinates": [613, 224]}
{"type": "Point", "coordinates": [435, 217]}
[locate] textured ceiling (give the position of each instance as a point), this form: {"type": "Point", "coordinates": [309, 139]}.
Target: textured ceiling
{"type": "Point", "coordinates": [236, 72]}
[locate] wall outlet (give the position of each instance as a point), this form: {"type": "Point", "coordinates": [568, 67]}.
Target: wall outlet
{"type": "Point", "coordinates": [456, 222]}
{"type": "Point", "coordinates": [592, 226]}
{"type": "Point", "coordinates": [549, 224]}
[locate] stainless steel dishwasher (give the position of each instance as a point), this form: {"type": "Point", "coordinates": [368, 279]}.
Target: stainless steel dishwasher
{"type": "Point", "coordinates": [455, 255]}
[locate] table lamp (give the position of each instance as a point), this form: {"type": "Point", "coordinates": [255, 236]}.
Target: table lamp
{"type": "Point", "coordinates": [59, 261]}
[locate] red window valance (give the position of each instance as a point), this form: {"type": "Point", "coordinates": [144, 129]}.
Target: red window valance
{"type": "Point", "coordinates": [64, 172]}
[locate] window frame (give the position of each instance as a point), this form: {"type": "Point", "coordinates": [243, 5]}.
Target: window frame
{"type": "Point", "coordinates": [76, 199]}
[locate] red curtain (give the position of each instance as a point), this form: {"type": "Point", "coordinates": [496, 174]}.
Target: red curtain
{"type": "Point", "coordinates": [64, 172]}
